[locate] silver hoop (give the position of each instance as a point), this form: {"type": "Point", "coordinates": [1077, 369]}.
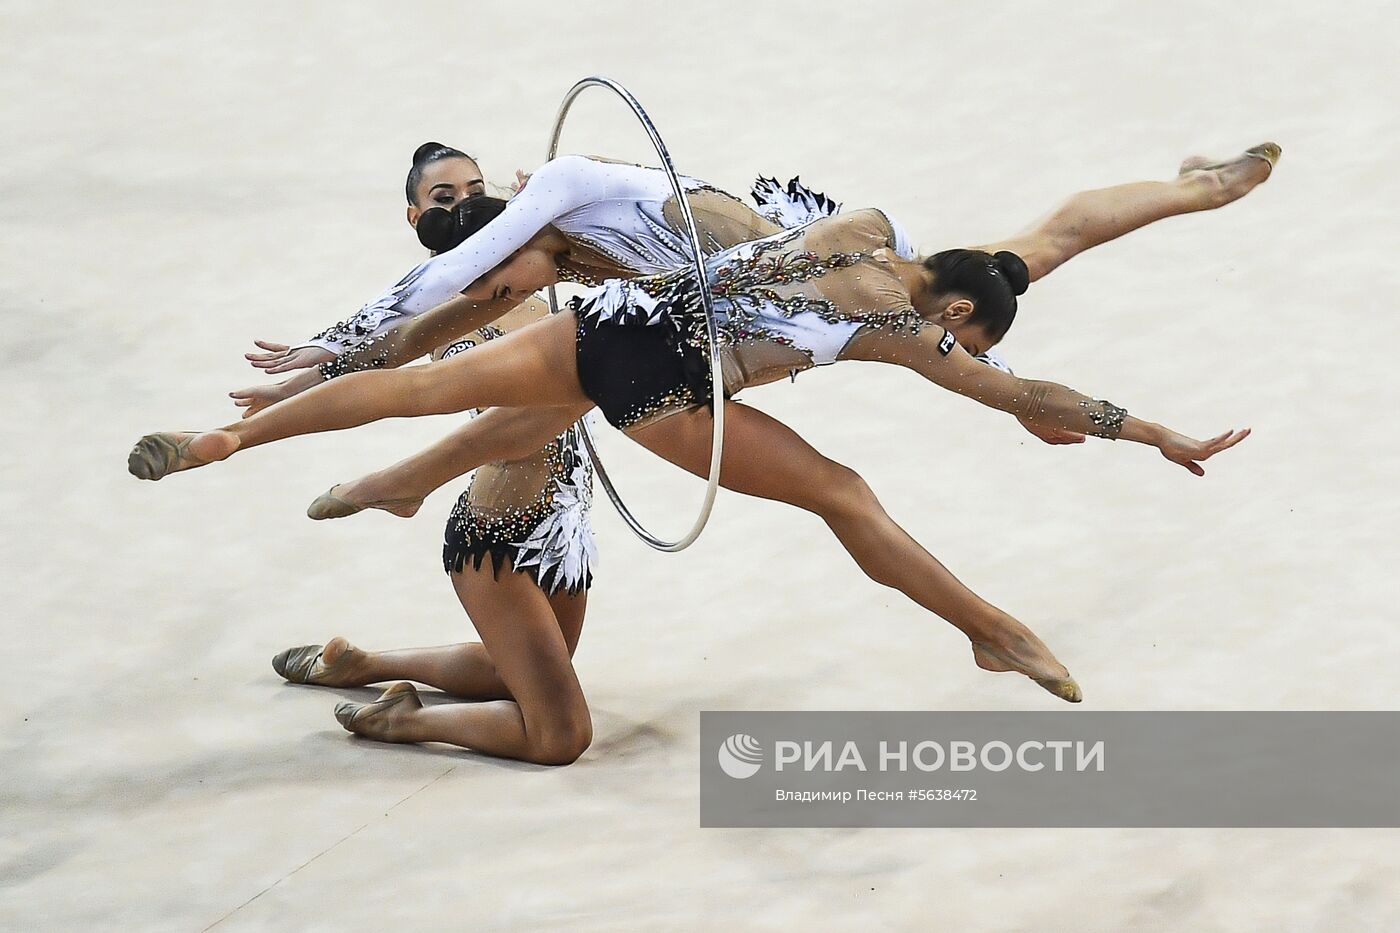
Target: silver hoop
{"type": "Point", "coordinates": [706, 299]}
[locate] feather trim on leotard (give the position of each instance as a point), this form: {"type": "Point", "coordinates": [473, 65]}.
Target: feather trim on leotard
{"type": "Point", "coordinates": [793, 206]}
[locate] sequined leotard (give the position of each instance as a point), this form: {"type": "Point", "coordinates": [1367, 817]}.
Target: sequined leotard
{"type": "Point", "coordinates": [531, 514]}
{"type": "Point", "coordinates": [824, 292]}
{"type": "Point", "coordinates": [785, 303]}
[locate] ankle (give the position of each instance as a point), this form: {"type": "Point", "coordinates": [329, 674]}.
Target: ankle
{"type": "Point", "coordinates": [409, 727]}
{"type": "Point", "coordinates": [386, 485]}
{"type": "Point", "coordinates": [1206, 188]}
{"type": "Point", "coordinates": [212, 446]}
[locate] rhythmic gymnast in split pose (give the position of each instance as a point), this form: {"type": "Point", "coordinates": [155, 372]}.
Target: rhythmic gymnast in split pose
{"type": "Point", "coordinates": [837, 289]}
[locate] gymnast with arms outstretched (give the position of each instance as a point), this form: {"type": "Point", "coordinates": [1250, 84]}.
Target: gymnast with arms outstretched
{"type": "Point", "coordinates": [591, 203]}
{"type": "Point", "coordinates": [835, 290]}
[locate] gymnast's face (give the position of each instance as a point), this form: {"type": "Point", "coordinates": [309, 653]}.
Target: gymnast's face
{"type": "Point", "coordinates": [445, 183]}
{"type": "Point", "coordinates": [971, 337]}
{"type": "Point", "coordinates": [529, 269]}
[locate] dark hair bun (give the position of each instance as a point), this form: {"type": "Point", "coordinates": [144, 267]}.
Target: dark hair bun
{"type": "Point", "coordinates": [440, 229]}
{"type": "Point", "coordinates": [1015, 271]}
{"type": "Point", "coordinates": [428, 152]}
{"type": "Point", "coordinates": [436, 229]}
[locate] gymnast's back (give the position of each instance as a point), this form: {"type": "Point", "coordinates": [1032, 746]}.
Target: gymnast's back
{"type": "Point", "coordinates": [795, 299]}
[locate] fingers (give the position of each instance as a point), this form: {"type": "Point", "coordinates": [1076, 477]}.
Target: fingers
{"type": "Point", "coordinates": [1224, 442]}
{"type": "Point", "coordinates": [276, 352]}
{"type": "Point", "coordinates": [1204, 450]}
{"type": "Point", "coordinates": [1232, 439]}
{"type": "Point", "coordinates": [287, 365]}
{"type": "Point", "coordinates": [252, 395]}
{"type": "Point", "coordinates": [251, 404]}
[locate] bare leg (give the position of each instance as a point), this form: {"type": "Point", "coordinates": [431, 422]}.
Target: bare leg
{"type": "Point", "coordinates": [569, 610]}
{"type": "Point", "coordinates": [462, 670]}
{"type": "Point", "coordinates": [495, 435]}
{"type": "Point", "coordinates": [765, 458]}
{"type": "Point", "coordinates": [1091, 218]}
{"type": "Point", "coordinates": [533, 366]}
{"type": "Point", "coordinates": [547, 722]}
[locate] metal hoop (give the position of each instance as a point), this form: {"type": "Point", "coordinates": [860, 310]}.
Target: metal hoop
{"type": "Point", "coordinates": [707, 300]}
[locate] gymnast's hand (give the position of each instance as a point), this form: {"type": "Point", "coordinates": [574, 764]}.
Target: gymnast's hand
{"type": "Point", "coordinates": [1178, 448]}
{"type": "Point", "coordinates": [281, 358]}
{"type": "Point", "coordinates": [1051, 435]}
{"type": "Point", "coordinates": [255, 398]}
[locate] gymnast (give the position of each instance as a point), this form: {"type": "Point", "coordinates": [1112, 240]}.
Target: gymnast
{"type": "Point", "coordinates": [528, 516]}
{"type": "Point", "coordinates": [837, 289]}
{"type": "Point", "coordinates": [621, 220]}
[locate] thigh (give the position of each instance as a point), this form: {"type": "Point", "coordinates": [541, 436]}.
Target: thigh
{"type": "Point", "coordinates": [519, 630]}
{"type": "Point", "coordinates": [762, 456]}
{"type": "Point", "coordinates": [569, 609]}
{"type": "Point", "coordinates": [529, 367]}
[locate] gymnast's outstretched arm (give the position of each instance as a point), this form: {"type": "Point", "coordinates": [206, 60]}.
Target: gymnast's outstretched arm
{"type": "Point", "coordinates": [419, 336]}
{"type": "Point", "coordinates": [560, 186]}
{"type": "Point", "coordinates": [935, 355]}
{"type": "Point", "coordinates": [414, 339]}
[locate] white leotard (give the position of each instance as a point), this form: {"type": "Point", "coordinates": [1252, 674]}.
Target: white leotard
{"type": "Point", "coordinates": [614, 208]}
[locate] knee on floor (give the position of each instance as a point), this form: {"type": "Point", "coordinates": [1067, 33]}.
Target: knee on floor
{"type": "Point", "coordinates": [562, 741]}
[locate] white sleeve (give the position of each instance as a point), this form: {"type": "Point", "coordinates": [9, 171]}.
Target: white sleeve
{"type": "Point", "coordinates": [560, 186]}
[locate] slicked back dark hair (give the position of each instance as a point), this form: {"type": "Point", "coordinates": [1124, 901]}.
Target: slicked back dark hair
{"type": "Point", "coordinates": [992, 282]}
{"type": "Point", "coordinates": [423, 156]}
